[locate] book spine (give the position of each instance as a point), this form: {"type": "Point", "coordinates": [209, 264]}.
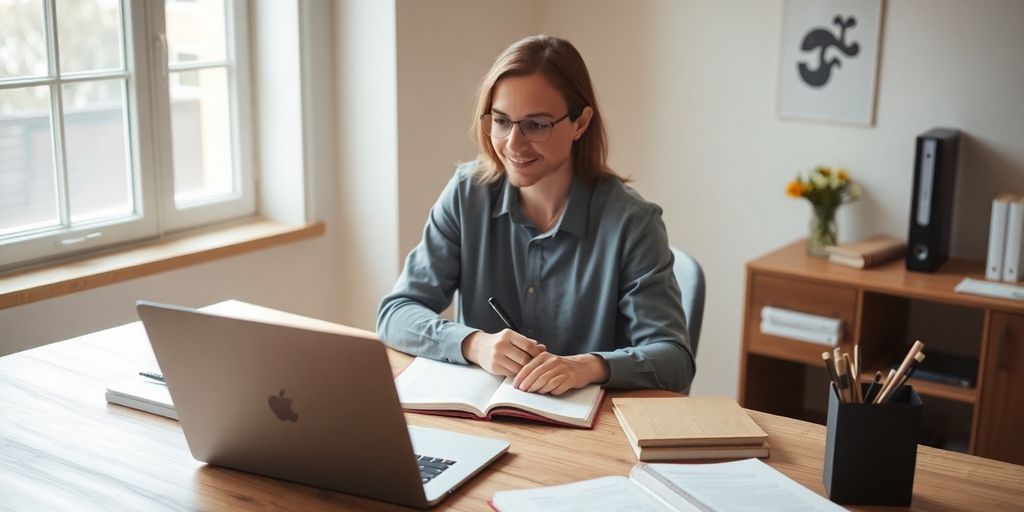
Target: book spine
{"type": "Point", "coordinates": [798, 320]}
{"type": "Point", "coordinates": [1012, 252]}
{"type": "Point", "coordinates": [822, 338]}
{"type": "Point", "coordinates": [996, 239]}
{"type": "Point", "coordinates": [659, 454]}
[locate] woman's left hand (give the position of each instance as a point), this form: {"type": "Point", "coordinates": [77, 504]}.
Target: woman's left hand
{"type": "Point", "coordinates": [548, 373]}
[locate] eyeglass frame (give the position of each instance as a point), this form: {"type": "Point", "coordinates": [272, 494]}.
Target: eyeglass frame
{"type": "Point", "coordinates": [519, 124]}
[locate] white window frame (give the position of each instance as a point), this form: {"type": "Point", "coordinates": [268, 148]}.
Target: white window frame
{"type": "Point", "coordinates": [148, 122]}
{"type": "Point", "coordinates": [241, 202]}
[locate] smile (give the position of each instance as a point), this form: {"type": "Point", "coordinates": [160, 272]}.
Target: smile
{"type": "Point", "coordinates": [519, 161]}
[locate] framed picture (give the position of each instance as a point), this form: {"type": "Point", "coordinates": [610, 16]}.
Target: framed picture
{"type": "Point", "coordinates": [829, 58]}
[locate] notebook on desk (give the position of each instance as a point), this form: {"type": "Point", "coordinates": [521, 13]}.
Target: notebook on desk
{"type": "Point", "coordinates": [311, 405]}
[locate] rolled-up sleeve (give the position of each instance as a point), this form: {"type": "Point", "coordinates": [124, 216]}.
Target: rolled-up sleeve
{"type": "Point", "coordinates": [409, 319]}
{"type": "Point", "coordinates": [649, 299]}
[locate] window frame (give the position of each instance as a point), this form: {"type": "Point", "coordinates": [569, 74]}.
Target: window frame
{"type": "Point", "coordinates": [241, 202]}
{"type": "Point", "coordinates": [149, 146]}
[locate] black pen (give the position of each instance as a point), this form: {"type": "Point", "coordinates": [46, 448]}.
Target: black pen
{"type": "Point", "coordinates": [507, 320]}
{"type": "Point", "coordinates": [869, 395]}
{"type": "Point", "coordinates": [153, 375]}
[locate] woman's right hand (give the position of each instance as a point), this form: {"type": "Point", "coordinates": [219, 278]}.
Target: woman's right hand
{"type": "Point", "coordinates": [500, 353]}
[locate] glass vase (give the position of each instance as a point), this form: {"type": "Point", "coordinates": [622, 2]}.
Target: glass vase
{"type": "Point", "coordinates": [823, 232]}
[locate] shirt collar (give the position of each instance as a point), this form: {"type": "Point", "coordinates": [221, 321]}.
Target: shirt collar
{"type": "Point", "coordinates": [577, 210]}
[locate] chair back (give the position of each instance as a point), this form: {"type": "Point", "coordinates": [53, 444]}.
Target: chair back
{"type": "Point", "coordinates": [690, 277]}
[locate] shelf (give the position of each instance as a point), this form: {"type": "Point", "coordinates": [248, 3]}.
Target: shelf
{"type": "Point", "coordinates": [892, 278]}
{"type": "Point", "coordinates": [929, 388]}
{"type": "Point", "coordinates": [794, 351]}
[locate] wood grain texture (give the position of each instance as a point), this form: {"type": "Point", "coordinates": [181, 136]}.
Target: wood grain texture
{"type": "Point", "coordinates": [1000, 416]}
{"type": "Point", "coordinates": [63, 447]}
{"type": "Point", "coordinates": [122, 264]}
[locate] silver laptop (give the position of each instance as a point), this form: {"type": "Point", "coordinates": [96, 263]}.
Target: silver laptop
{"type": "Point", "coordinates": [308, 406]}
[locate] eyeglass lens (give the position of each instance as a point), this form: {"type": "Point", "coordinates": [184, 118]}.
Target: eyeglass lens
{"type": "Point", "coordinates": [500, 127]}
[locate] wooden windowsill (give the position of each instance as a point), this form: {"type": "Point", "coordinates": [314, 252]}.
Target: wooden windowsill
{"type": "Point", "coordinates": [147, 258]}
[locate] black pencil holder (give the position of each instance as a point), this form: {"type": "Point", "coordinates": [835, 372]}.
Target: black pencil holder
{"type": "Point", "coordinates": [871, 449]}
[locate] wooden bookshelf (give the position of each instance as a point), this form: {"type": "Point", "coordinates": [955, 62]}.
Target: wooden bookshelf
{"type": "Point", "coordinates": [873, 306]}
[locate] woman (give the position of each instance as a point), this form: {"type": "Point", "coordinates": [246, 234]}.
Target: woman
{"type": "Point", "coordinates": [579, 262]}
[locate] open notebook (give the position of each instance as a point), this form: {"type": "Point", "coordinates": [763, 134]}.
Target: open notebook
{"type": "Point", "coordinates": [440, 388]}
{"type": "Point", "coordinates": [744, 485]}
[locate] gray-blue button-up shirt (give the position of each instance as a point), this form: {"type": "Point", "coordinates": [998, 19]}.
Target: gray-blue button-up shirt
{"type": "Point", "coordinates": [599, 282]}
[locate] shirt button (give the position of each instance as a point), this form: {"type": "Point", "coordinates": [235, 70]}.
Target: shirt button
{"type": "Point", "coordinates": [530, 290]}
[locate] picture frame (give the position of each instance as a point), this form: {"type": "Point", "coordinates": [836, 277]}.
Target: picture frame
{"type": "Point", "coordinates": [828, 61]}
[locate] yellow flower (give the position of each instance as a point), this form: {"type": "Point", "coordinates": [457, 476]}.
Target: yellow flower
{"type": "Point", "coordinates": [825, 187]}
{"type": "Point", "coordinates": [793, 189]}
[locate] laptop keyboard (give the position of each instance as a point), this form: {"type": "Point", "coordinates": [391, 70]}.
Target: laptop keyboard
{"type": "Point", "coordinates": [432, 466]}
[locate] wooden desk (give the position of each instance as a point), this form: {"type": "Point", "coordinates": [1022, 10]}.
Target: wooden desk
{"type": "Point", "coordinates": [63, 447]}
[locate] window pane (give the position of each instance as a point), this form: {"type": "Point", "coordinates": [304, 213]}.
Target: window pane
{"type": "Point", "coordinates": [89, 35]}
{"type": "Point", "coordinates": [196, 31]}
{"type": "Point", "coordinates": [201, 130]}
{"type": "Point", "coordinates": [99, 173]}
{"type": "Point", "coordinates": [28, 190]}
{"type": "Point", "coordinates": [22, 39]}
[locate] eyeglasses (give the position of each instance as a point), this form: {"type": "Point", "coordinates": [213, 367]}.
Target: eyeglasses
{"type": "Point", "coordinates": [535, 130]}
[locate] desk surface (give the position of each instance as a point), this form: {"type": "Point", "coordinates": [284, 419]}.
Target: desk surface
{"type": "Point", "coordinates": [62, 446]}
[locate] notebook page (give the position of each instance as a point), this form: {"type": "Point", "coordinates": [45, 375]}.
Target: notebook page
{"type": "Point", "coordinates": [428, 382]}
{"type": "Point", "coordinates": [611, 493]}
{"type": "Point", "coordinates": [575, 404]}
{"type": "Point", "coordinates": [743, 485]}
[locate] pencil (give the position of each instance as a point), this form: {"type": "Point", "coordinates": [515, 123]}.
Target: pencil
{"type": "Point", "coordinates": [844, 378]}
{"type": "Point", "coordinates": [888, 379]}
{"type": "Point", "coordinates": [913, 366]}
{"type": "Point", "coordinates": [854, 378]}
{"type": "Point", "coordinates": [890, 386]}
{"type": "Point", "coordinates": [832, 375]}
{"type": "Point", "coordinates": [856, 359]}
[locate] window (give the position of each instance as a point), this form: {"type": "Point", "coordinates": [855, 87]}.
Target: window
{"type": "Point", "coordinates": [119, 120]}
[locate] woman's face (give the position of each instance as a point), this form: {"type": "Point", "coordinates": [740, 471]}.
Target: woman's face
{"type": "Point", "coordinates": [532, 98]}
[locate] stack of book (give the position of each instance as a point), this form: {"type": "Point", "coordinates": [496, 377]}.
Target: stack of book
{"type": "Point", "coordinates": [1005, 239]}
{"type": "Point", "coordinates": [689, 428]}
{"type": "Point", "coordinates": [796, 325]}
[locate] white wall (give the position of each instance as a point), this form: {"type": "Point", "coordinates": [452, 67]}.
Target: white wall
{"type": "Point", "coordinates": [689, 93]}
{"type": "Point", "coordinates": [444, 48]}
{"type": "Point", "coordinates": [367, 159]}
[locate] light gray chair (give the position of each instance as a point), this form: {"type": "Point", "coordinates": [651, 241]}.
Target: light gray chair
{"type": "Point", "coordinates": [691, 283]}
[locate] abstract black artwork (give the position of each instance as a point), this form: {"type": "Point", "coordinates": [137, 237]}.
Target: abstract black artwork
{"type": "Point", "coordinates": [828, 60]}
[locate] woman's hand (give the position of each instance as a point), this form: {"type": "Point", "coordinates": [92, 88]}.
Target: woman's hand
{"type": "Point", "coordinates": [548, 373]}
{"type": "Point", "coordinates": [502, 353]}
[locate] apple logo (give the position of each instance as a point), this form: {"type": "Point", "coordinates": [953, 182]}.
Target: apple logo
{"type": "Point", "coordinates": [282, 407]}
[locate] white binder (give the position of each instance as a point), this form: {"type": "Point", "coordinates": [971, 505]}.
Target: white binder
{"type": "Point", "coordinates": [997, 237]}
{"type": "Point", "coordinates": [1012, 253]}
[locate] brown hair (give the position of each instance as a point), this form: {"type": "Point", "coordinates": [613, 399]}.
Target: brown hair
{"type": "Point", "coordinates": [561, 64]}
